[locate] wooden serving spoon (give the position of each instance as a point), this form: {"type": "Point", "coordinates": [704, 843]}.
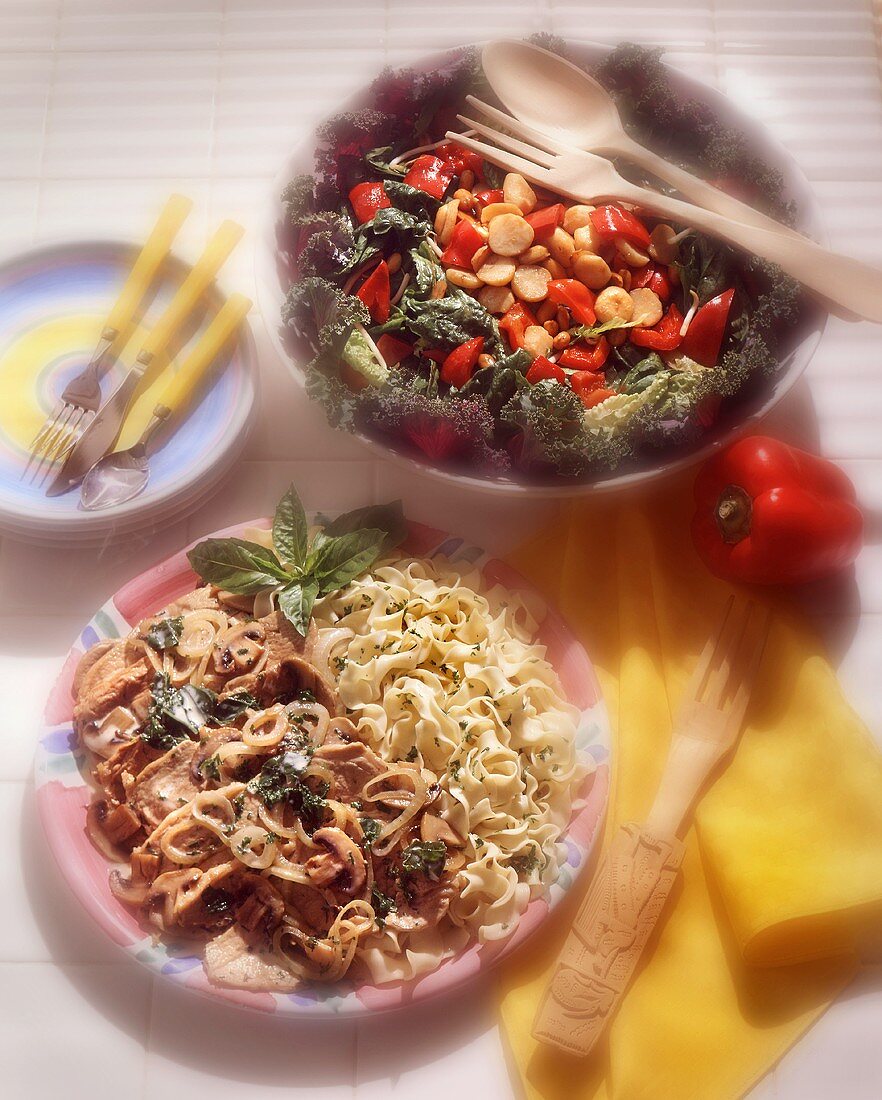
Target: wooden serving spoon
{"type": "Point", "coordinates": [552, 96]}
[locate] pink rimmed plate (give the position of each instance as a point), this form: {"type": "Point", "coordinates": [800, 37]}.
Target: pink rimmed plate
{"type": "Point", "coordinates": [63, 794]}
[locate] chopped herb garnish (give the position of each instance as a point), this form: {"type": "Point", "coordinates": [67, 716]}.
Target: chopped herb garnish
{"type": "Point", "coordinates": [165, 634]}
{"type": "Point", "coordinates": [383, 905]}
{"type": "Point", "coordinates": [424, 857]}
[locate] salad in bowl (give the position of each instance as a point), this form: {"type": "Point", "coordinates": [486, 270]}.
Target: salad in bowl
{"type": "Point", "coordinates": [478, 324]}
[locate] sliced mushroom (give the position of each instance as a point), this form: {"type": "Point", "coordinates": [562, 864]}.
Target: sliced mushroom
{"type": "Point", "coordinates": [127, 890]}
{"type": "Point", "coordinates": [239, 649]}
{"type": "Point", "coordinates": [341, 864]}
{"type": "Point", "coordinates": [433, 827]}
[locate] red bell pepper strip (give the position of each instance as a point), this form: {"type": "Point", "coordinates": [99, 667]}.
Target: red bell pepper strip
{"type": "Point", "coordinates": [704, 337]}
{"type": "Point", "coordinates": [464, 243]}
{"type": "Point", "coordinates": [594, 397]}
{"type": "Point", "coordinates": [542, 368]}
{"type": "Point", "coordinates": [576, 297]}
{"type": "Point", "coordinates": [583, 381]}
{"type": "Point", "coordinates": [430, 174]}
{"type": "Point", "coordinates": [491, 194]}
{"type": "Point", "coordinates": [612, 221]}
{"type": "Point", "coordinates": [460, 158]}
{"type": "Point", "coordinates": [514, 323]}
{"type": "Point", "coordinates": [653, 278]}
{"type": "Point", "coordinates": [367, 199]}
{"type": "Point", "coordinates": [375, 293]}
{"type": "Point", "coordinates": [584, 357]}
{"type": "Point", "coordinates": [767, 513]}
{"type": "Point", "coordinates": [457, 368]}
{"type": "Point", "coordinates": [666, 334]}
{"type": "Point", "coordinates": [392, 349]}
{"type": "Point", "coordinates": [545, 221]}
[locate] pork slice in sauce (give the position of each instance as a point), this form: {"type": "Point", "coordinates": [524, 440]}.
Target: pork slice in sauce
{"type": "Point", "coordinates": [352, 765]}
{"type": "Point", "coordinates": [116, 773]}
{"type": "Point", "coordinates": [420, 901]}
{"type": "Point", "coordinates": [113, 680]}
{"type": "Point", "coordinates": [285, 682]}
{"type": "Point", "coordinates": [245, 960]}
{"type": "Point", "coordinates": [165, 784]}
{"type": "Point", "coordinates": [283, 641]}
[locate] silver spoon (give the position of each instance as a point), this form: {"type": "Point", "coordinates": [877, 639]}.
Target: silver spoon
{"type": "Point", "coordinates": [120, 476]}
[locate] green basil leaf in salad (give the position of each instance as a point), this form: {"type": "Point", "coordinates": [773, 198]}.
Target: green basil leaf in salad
{"type": "Point", "coordinates": [165, 634]}
{"type": "Point", "coordinates": [379, 159]}
{"type": "Point", "coordinates": [237, 565]}
{"type": "Point", "coordinates": [452, 320]}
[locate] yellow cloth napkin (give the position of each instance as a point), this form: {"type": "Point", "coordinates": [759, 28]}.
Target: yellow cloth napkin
{"type": "Point", "coordinates": [781, 886]}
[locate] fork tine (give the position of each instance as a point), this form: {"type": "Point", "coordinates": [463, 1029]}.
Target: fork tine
{"type": "Point", "coordinates": [518, 128]}
{"type": "Point", "coordinates": [55, 450]}
{"type": "Point", "coordinates": [741, 697]}
{"type": "Point", "coordinates": [504, 141]}
{"type": "Point", "coordinates": [495, 156]}
{"type": "Point", "coordinates": [725, 667]}
{"type": "Point", "coordinates": [43, 456]}
{"type": "Point", "coordinates": [43, 433]}
{"type": "Point", "coordinates": [703, 667]}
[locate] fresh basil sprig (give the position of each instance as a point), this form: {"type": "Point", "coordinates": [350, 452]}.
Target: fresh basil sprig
{"type": "Point", "coordinates": [302, 570]}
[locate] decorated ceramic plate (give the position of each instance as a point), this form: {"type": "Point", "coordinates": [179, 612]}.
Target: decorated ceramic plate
{"type": "Point", "coordinates": [52, 305]}
{"type": "Point", "coordinates": [64, 793]}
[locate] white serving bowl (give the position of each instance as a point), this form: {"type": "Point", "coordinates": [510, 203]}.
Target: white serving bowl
{"type": "Point", "coordinates": [274, 278]}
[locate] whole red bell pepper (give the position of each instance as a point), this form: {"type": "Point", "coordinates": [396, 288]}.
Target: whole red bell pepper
{"type": "Point", "coordinates": [542, 368]}
{"type": "Point", "coordinates": [653, 278]}
{"type": "Point", "coordinates": [464, 243]}
{"type": "Point", "coordinates": [576, 297]}
{"type": "Point", "coordinates": [457, 368]}
{"type": "Point", "coordinates": [545, 221]}
{"type": "Point", "coordinates": [514, 323]}
{"type": "Point", "coordinates": [612, 221]}
{"type": "Point", "coordinates": [586, 357]}
{"type": "Point", "coordinates": [767, 513]}
{"type": "Point", "coordinates": [430, 174]}
{"type": "Point", "coordinates": [704, 337]}
{"type": "Point", "coordinates": [367, 199]}
{"type": "Point", "coordinates": [666, 334]}
{"type": "Point", "coordinates": [459, 158]}
{"type": "Point", "coordinates": [375, 293]}
{"type": "Point", "coordinates": [392, 349]}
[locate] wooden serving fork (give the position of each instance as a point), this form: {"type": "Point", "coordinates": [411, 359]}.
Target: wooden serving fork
{"type": "Point", "coordinates": [632, 885]}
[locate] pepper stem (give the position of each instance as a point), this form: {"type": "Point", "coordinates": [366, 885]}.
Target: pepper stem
{"type": "Point", "coordinates": [733, 514]}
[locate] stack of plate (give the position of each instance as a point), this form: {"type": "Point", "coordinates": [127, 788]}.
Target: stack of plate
{"type": "Point", "coordinates": [53, 302]}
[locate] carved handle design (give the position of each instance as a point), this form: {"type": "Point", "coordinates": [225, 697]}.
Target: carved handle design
{"type": "Point", "coordinates": [609, 933]}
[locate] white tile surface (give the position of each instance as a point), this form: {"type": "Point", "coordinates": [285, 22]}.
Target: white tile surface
{"type": "Point", "coordinates": [228, 1054]}
{"type": "Point", "coordinates": [75, 1031]}
{"type": "Point", "coordinates": [105, 107]}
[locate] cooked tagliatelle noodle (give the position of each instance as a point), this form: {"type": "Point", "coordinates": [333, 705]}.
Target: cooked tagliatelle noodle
{"type": "Point", "coordinates": [364, 800]}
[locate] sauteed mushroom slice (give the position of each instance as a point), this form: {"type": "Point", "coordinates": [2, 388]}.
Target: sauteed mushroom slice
{"type": "Point", "coordinates": [241, 648]}
{"type": "Point", "coordinates": [341, 864]}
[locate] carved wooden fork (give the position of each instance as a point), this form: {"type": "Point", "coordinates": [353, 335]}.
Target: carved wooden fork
{"type": "Point", "coordinates": [851, 285]}
{"type": "Point", "coordinates": [634, 880]}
